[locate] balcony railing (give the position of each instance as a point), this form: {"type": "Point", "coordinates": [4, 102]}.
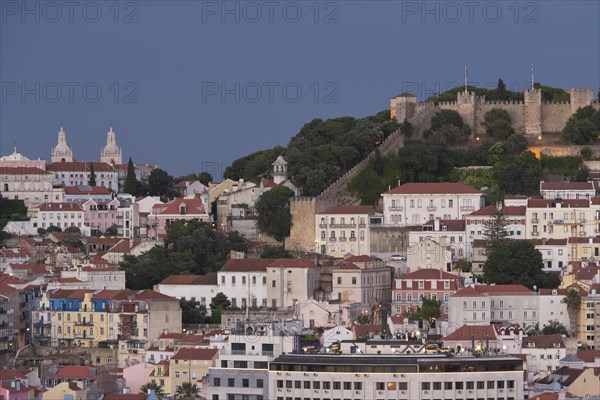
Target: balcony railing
{"type": "Point", "coordinates": [395, 208]}
{"type": "Point", "coordinates": [342, 226]}
{"type": "Point", "coordinates": [352, 239]}
{"type": "Point", "coordinates": [322, 226]}
{"type": "Point", "coordinates": [535, 233]}
{"type": "Point", "coordinates": [342, 239]}
{"type": "Point", "coordinates": [362, 225]}
{"type": "Point", "coordinates": [84, 323]}
{"type": "Point", "coordinates": [581, 233]}
{"type": "Point", "coordinates": [534, 220]}
{"type": "Point", "coordinates": [332, 239]}
{"type": "Point", "coordinates": [467, 208]}
{"type": "Point", "coordinates": [431, 208]}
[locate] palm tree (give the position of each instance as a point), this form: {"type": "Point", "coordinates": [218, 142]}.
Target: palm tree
{"type": "Point", "coordinates": [573, 302]}
{"type": "Point", "coordinates": [186, 391]}
{"type": "Point", "coordinates": [155, 387]}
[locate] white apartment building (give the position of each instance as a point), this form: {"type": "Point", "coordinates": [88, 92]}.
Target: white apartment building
{"type": "Point", "coordinates": [560, 219]}
{"type": "Point", "coordinates": [428, 254]}
{"type": "Point", "coordinates": [62, 215]}
{"type": "Point", "coordinates": [484, 304]}
{"type": "Point", "coordinates": [290, 280]}
{"type": "Point", "coordinates": [78, 173]}
{"type": "Point", "coordinates": [417, 203]}
{"type": "Point", "coordinates": [82, 193]}
{"type": "Point", "coordinates": [555, 253]}
{"type": "Point", "coordinates": [543, 353]}
{"type": "Point", "coordinates": [353, 284]}
{"type": "Point", "coordinates": [201, 287]}
{"type": "Point", "coordinates": [552, 308]}
{"type": "Point", "coordinates": [568, 190]}
{"type": "Point", "coordinates": [343, 229]}
{"type": "Point", "coordinates": [477, 221]}
{"type": "Point", "coordinates": [404, 377]}
{"type": "Point", "coordinates": [244, 282]}
{"type": "Point", "coordinates": [30, 184]}
{"type": "Point", "coordinates": [452, 231]}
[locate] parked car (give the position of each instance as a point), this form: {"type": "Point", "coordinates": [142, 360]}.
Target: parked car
{"type": "Point", "coordinates": [398, 257]}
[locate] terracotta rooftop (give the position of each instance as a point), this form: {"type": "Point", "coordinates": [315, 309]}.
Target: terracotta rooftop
{"type": "Point", "coordinates": [173, 207]}
{"type": "Point", "coordinates": [548, 242]}
{"type": "Point", "coordinates": [434, 188]}
{"type": "Point", "coordinates": [567, 186]}
{"type": "Point", "coordinates": [543, 341]}
{"type": "Point", "coordinates": [588, 356]}
{"type": "Point", "coordinates": [86, 190]}
{"type": "Point", "coordinates": [473, 332]}
{"type": "Point", "coordinates": [60, 207]}
{"type": "Point", "coordinates": [456, 225]}
{"type": "Point", "coordinates": [551, 203]}
{"type": "Point", "coordinates": [430, 273]}
{"type": "Point", "coordinates": [80, 166]}
{"type": "Point", "coordinates": [195, 354]}
{"type": "Point", "coordinates": [208, 279]}
{"type": "Point", "coordinates": [22, 171]}
{"type": "Point", "coordinates": [71, 371]}
{"type": "Point", "coordinates": [11, 374]}
{"type": "Point", "coordinates": [360, 259]}
{"type": "Point", "coordinates": [506, 210]}
{"type": "Point", "coordinates": [347, 210]}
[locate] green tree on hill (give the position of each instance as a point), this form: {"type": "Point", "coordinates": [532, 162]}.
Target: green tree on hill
{"type": "Point", "coordinates": [498, 124]}
{"type": "Point", "coordinates": [131, 185]}
{"type": "Point", "coordinates": [274, 216]}
{"type": "Point", "coordinates": [92, 180]}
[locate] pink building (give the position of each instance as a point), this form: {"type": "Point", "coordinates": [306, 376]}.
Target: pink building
{"type": "Point", "coordinates": [13, 385]}
{"type": "Point", "coordinates": [408, 291]}
{"type": "Point", "coordinates": [99, 216]}
{"type": "Point", "coordinates": [176, 209]}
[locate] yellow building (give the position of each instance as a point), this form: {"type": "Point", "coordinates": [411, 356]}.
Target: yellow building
{"type": "Point", "coordinates": [66, 391]}
{"type": "Point", "coordinates": [162, 377]}
{"type": "Point", "coordinates": [587, 383]}
{"type": "Point", "coordinates": [191, 365]}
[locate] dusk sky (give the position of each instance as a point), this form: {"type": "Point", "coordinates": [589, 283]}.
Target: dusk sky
{"type": "Point", "coordinates": [193, 85]}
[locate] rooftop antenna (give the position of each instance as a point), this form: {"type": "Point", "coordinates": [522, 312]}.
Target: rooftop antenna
{"type": "Point", "coordinates": [466, 75]}
{"type": "Point", "coordinates": [532, 75]}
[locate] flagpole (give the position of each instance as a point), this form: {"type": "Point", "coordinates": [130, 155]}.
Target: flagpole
{"type": "Point", "coordinates": [532, 73]}
{"type": "Point", "coordinates": [465, 79]}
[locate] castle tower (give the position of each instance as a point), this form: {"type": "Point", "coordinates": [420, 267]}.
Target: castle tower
{"type": "Point", "coordinates": [111, 153]}
{"type": "Point", "coordinates": [279, 170]}
{"type": "Point", "coordinates": [533, 112]}
{"type": "Point", "coordinates": [466, 105]}
{"type": "Point", "coordinates": [61, 152]}
{"type": "Point", "coordinates": [580, 97]}
{"type": "Point", "coordinates": [403, 107]}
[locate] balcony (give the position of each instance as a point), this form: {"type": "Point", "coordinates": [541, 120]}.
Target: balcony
{"type": "Point", "coordinates": [431, 208]}
{"type": "Point", "coordinates": [534, 220]}
{"type": "Point", "coordinates": [396, 208]}
{"type": "Point", "coordinates": [323, 226]}
{"type": "Point", "coordinates": [535, 233]}
{"type": "Point", "coordinates": [581, 233]}
{"type": "Point", "coordinates": [343, 239]}
{"type": "Point", "coordinates": [333, 226]}
{"type": "Point", "coordinates": [84, 323]}
{"type": "Point", "coordinates": [42, 323]}
{"type": "Point", "coordinates": [467, 208]}
{"type": "Point", "coordinates": [362, 225]}
{"type": "Point", "coordinates": [3, 311]}
{"type": "Point", "coordinates": [352, 239]}
{"type": "Point", "coordinates": [332, 239]}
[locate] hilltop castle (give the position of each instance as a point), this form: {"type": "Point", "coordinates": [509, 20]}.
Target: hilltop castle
{"type": "Point", "coordinates": [531, 117]}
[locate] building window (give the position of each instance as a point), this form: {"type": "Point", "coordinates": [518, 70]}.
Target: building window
{"type": "Point", "coordinates": [217, 382]}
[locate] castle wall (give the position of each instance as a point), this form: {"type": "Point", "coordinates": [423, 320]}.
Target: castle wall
{"type": "Point", "coordinates": [388, 239]}
{"type": "Point", "coordinates": [516, 110]}
{"type": "Point", "coordinates": [302, 232]}
{"type": "Point", "coordinates": [555, 116]}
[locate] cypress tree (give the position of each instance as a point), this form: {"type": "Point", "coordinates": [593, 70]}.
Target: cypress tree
{"type": "Point", "coordinates": [92, 181]}
{"type": "Point", "coordinates": [130, 180]}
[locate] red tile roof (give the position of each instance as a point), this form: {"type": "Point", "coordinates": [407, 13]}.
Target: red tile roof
{"type": "Point", "coordinates": [4, 288]}
{"type": "Point", "coordinates": [208, 279]}
{"type": "Point", "coordinates": [347, 265]}
{"type": "Point", "coordinates": [566, 185]}
{"type": "Point", "coordinates": [554, 396]}
{"type": "Point", "coordinates": [11, 374]}
{"type": "Point", "coordinates": [588, 356]}
{"type": "Point", "coordinates": [80, 166]}
{"type": "Point", "coordinates": [434, 188]}
{"type": "Point", "coordinates": [60, 207]}
{"type": "Point", "coordinates": [506, 210]}
{"type": "Point", "coordinates": [456, 225]}
{"type": "Point", "coordinates": [548, 242]}
{"type": "Point", "coordinates": [347, 210]}
{"type": "Point", "coordinates": [195, 354]}
{"type": "Point", "coordinates": [70, 371]}
{"type": "Point", "coordinates": [86, 190]}
{"type": "Point", "coordinates": [121, 396]}
{"type": "Point", "coordinates": [192, 207]}
{"type": "Point", "coordinates": [473, 332]}
{"type": "Point", "coordinates": [152, 295]}
{"type": "Point", "coordinates": [246, 265]}
{"type": "Point", "coordinates": [544, 341]}
{"type": "Point", "coordinates": [551, 203]}
{"type": "Point", "coordinates": [22, 171]}
{"type": "Point", "coordinates": [430, 273]}
{"type": "Point", "coordinates": [360, 259]}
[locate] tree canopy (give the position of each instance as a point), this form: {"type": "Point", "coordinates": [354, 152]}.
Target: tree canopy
{"type": "Point", "coordinates": [160, 183]}
{"type": "Point", "coordinates": [273, 209]}
{"type": "Point", "coordinates": [131, 184]}
{"type": "Point", "coordinates": [498, 124]}
{"type": "Point", "coordinates": [583, 127]}
{"type": "Point", "coordinates": [517, 262]}
{"type": "Point", "coordinates": [192, 312]}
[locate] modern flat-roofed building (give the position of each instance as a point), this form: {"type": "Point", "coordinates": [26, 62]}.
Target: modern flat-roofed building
{"type": "Point", "coordinates": [433, 376]}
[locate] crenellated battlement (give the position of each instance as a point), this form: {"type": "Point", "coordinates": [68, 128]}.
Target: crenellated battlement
{"type": "Point", "coordinates": [532, 116]}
